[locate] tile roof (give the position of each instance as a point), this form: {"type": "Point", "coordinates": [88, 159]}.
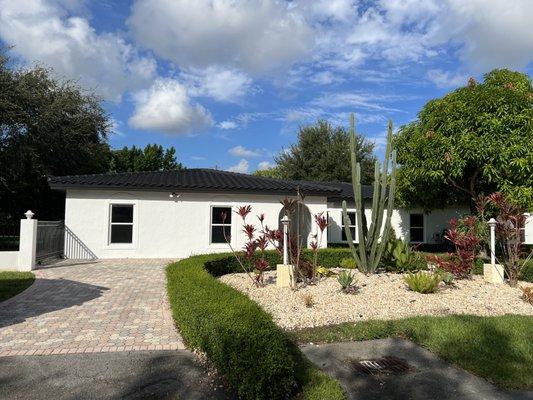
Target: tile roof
{"type": "Point", "coordinates": [193, 180]}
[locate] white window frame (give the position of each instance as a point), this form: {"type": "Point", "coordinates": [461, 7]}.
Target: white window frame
{"type": "Point", "coordinates": [119, 246]}
{"type": "Point", "coordinates": [211, 224]}
{"type": "Point", "coordinates": [355, 238]}
{"type": "Point", "coordinates": [423, 227]}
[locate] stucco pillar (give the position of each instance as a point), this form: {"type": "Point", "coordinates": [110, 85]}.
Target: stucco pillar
{"type": "Point", "coordinates": [493, 273]}
{"type": "Point", "coordinates": [28, 242]}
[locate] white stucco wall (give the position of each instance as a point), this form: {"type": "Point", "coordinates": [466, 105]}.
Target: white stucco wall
{"type": "Point", "coordinates": [528, 228]}
{"type": "Point", "coordinates": [435, 222]}
{"type": "Point", "coordinates": [162, 227]}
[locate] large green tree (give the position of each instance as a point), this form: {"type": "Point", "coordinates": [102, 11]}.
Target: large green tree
{"type": "Point", "coordinates": [152, 158]}
{"type": "Point", "coordinates": [322, 153]}
{"type": "Point", "coordinates": [47, 127]}
{"type": "Point", "coordinates": [476, 139]}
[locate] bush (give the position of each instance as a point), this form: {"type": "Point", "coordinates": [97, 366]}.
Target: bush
{"type": "Point", "coordinates": [348, 263]}
{"type": "Point", "coordinates": [347, 280]}
{"type": "Point", "coordinates": [423, 282]}
{"type": "Point", "coordinates": [225, 263]}
{"type": "Point", "coordinates": [400, 257]}
{"type": "Point", "coordinates": [238, 337]}
{"type": "Point", "coordinates": [527, 294]}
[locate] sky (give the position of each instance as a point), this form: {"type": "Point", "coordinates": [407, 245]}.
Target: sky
{"type": "Point", "coordinates": [228, 82]}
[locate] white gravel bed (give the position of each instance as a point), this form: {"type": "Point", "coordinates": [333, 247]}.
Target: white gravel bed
{"type": "Point", "coordinates": [381, 296]}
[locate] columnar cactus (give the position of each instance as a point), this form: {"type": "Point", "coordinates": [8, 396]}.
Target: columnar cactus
{"type": "Point", "coordinates": [372, 239]}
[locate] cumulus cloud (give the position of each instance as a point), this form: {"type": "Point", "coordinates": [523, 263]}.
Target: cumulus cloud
{"type": "Point", "coordinates": [257, 36]}
{"type": "Point", "coordinates": [221, 84]}
{"type": "Point", "coordinates": [445, 79]}
{"type": "Point", "coordinates": [40, 31]}
{"type": "Point", "coordinates": [265, 165]}
{"type": "Point", "coordinates": [166, 107]}
{"type": "Point", "coordinates": [241, 167]}
{"type": "Point", "coordinates": [227, 125]}
{"type": "Point", "coordinates": [241, 151]}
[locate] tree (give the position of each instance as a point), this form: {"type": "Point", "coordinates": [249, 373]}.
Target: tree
{"type": "Point", "coordinates": [47, 127]}
{"type": "Point", "coordinates": [152, 158]}
{"type": "Point", "coordinates": [323, 154]}
{"type": "Point", "coordinates": [476, 139]}
{"type": "Point", "coordinates": [272, 172]}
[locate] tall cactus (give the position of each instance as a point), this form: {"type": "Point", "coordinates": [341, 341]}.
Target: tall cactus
{"type": "Point", "coordinates": [370, 248]}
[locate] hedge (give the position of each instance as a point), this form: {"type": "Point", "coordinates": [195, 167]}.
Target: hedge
{"type": "Point", "coordinates": [257, 358]}
{"type": "Point", "coordinates": [225, 263]}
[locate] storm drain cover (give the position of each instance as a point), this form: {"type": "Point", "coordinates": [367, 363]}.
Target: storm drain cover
{"type": "Point", "coordinates": [381, 366]}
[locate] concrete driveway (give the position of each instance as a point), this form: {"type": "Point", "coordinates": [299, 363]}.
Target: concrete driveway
{"type": "Point", "coordinates": [102, 306]}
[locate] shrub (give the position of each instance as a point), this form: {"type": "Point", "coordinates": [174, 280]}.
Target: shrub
{"type": "Point", "coordinates": [348, 263]}
{"type": "Point", "coordinates": [347, 281]}
{"type": "Point", "coordinates": [308, 300]}
{"type": "Point", "coordinates": [225, 263]}
{"type": "Point", "coordinates": [527, 294]}
{"type": "Point", "coordinates": [422, 281]}
{"type": "Point", "coordinates": [464, 234]}
{"type": "Point", "coordinates": [238, 337]}
{"type": "Point", "coordinates": [446, 277]}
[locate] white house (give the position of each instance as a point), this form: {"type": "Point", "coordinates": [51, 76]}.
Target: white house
{"type": "Point", "coordinates": [175, 214]}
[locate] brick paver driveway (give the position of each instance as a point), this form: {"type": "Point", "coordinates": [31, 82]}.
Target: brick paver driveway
{"type": "Point", "coordinates": [107, 305]}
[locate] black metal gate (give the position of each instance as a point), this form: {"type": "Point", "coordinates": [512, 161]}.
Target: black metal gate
{"type": "Point", "coordinates": [50, 240]}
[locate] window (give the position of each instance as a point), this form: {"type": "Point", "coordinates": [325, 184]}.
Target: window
{"type": "Point", "coordinates": [351, 216]}
{"type": "Point", "coordinates": [220, 227]}
{"type": "Point", "coordinates": [416, 228]}
{"type": "Point", "coordinates": [121, 223]}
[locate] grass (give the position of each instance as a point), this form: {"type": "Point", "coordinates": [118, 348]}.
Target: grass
{"type": "Point", "coordinates": [499, 349]}
{"type": "Point", "coordinates": [12, 283]}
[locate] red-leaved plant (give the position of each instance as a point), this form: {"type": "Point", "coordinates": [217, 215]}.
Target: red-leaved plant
{"type": "Point", "coordinates": [464, 235]}
{"type": "Point", "coordinates": [249, 261]}
{"type": "Point", "coordinates": [510, 220]}
{"type": "Point", "coordinates": [322, 224]}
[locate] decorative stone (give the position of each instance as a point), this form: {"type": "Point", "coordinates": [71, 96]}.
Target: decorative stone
{"type": "Point", "coordinates": [493, 273]}
{"type": "Point", "coordinates": [285, 276]}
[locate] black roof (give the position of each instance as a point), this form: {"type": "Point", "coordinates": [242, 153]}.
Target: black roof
{"type": "Point", "coordinates": [345, 190]}
{"type": "Point", "coordinates": [193, 180]}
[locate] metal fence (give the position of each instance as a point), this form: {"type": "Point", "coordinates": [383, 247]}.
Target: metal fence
{"type": "Point", "coordinates": [50, 240]}
{"type": "Point", "coordinates": [9, 236]}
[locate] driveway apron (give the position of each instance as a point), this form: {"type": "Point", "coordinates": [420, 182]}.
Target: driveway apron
{"type": "Point", "coordinates": [102, 306]}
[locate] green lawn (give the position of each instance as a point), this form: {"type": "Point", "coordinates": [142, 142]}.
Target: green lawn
{"type": "Point", "coordinates": [12, 283]}
{"type": "Point", "coordinates": [499, 349]}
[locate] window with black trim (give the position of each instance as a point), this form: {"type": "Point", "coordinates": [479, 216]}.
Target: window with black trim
{"type": "Point", "coordinates": [351, 217]}
{"type": "Point", "coordinates": [416, 228]}
{"type": "Point", "coordinates": [121, 224]}
{"type": "Point", "coordinates": [220, 224]}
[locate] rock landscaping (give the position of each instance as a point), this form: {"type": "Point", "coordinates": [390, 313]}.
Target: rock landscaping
{"type": "Point", "coordinates": [378, 296]}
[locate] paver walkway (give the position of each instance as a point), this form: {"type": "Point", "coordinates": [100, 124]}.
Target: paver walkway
{"type": "Point", "coordinates": [107, 305]}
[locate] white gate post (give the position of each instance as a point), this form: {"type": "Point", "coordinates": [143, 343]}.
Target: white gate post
{"type": "Point", "coordinates": [28, 242]}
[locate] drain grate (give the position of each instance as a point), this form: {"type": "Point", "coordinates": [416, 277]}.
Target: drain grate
{"type": "Point", "coordinates": [382, 366]}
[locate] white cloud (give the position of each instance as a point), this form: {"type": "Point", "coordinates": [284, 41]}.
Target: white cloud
{"type": "Point", "coordinates": [227, 125]}
{"type": "Point", "coordinates": [241, 151]}
{"type": "Point", "coordinates": [445, 79]}
{"type": "Point", "coordinates": [265, 165]}
{"type": "Point", "coordinates": [219, 83]}
{"type": "Point", "coordinates": [241, 167]}
{"type": "Point", "coordinates": [367, 101]}
{"type": "Point", "coordinates": [491, 33]}
{"type": "Point", "coordinates": [166, 107]}
{"type": "Point", "coordinates": [42, 32]}
{"type": "Point", "coordinates": [257, 36]}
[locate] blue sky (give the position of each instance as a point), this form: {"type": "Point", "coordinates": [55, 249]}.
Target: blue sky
{"type": "Point", "coordinates": [228, 82]}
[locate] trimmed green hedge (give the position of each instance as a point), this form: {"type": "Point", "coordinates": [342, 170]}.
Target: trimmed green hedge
{"type": "Point", "coordinates": [239, 338]}
{"type": "Point", "coordinates": [225, 263]}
